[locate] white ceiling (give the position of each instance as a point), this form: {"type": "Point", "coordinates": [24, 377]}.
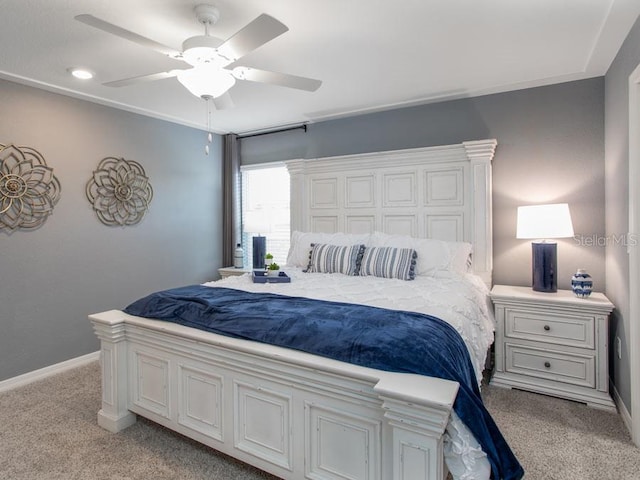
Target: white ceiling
{"type": "Point", "coordinates": [370, 54]}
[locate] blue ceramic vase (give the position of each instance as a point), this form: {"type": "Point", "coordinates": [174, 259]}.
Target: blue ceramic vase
{"type": "Point", "coordinates": [581, 283]}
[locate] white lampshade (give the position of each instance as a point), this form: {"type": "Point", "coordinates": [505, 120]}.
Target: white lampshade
{"type": "Point", "coordinates": [544, 221]}
{"type": "Point", "coordinates": [206, 80]}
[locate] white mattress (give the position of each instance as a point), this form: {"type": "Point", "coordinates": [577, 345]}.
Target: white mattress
{"type": "Point", "coordinates": [460, 300]}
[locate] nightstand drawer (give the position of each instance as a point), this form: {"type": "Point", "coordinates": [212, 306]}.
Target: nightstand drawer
{"type": "Point", "coordinates": [551, 365]}
{"type": "Point", "coordinates": [573, 330]}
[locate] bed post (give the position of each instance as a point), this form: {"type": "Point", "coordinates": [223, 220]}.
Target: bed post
{"type": "Point", "coordinates": [480, 153]}
{"type": "Point", "coordinates": [298, 208]}
{"type": "Point", "coordinates": [417, 425]}
{"type": "Point", "coordinates": [110, 329]}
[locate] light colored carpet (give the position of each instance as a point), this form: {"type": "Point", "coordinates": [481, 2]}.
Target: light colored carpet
{"type": "Point", "coordinates": [48, 431]}
{"type": "Point", "coordinates": [558, 439]}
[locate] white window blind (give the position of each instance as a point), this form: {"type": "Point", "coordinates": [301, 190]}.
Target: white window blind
{"type": "Point", "coordinates": [265, 200]}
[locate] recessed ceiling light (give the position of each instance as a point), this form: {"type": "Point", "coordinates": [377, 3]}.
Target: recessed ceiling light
{"type": "Point", "coordinates": [81, 73]}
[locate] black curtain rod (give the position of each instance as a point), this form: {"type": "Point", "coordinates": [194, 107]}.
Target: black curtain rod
{"type": "Point", "coordinates": [299, 127]}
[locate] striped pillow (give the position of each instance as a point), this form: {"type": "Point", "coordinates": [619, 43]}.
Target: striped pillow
{"type": "Point", "coordinates": [389, 262]}
{"type": "Point", "coordinates": [325, 258]}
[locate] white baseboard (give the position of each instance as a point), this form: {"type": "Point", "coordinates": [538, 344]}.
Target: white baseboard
{"type": "Point", "coordinates": [622, 408]}
{"type": "Point", "coordinates": [45, 372]}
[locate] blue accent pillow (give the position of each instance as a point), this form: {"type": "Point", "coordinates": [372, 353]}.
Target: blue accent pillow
{"type": "Point", "coordinates": [325, 258]}
{"type": "Point", "coordinates": [389, 262]}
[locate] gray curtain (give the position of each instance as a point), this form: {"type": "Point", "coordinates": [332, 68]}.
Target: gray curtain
{"type": "Point", "coordinates": [231, 210]}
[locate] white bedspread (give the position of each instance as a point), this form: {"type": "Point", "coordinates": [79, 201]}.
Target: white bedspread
{"type": "Point", "coordinates": [460, 300]}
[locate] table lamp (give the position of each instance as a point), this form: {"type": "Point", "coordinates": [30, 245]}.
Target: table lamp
{"type": "Point", "coordinates": [543, 222]}
{"type": "Point", "coordinates": [258, 223]}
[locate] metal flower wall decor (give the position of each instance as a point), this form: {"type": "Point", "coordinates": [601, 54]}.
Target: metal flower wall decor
{"type": "Point", "coordinates": [28, 188]}
{"type": "Point", "coordinates": [119, 191]}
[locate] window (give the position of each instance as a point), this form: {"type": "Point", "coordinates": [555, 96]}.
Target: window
{"type": "Point", "coordinates": [265, 206]}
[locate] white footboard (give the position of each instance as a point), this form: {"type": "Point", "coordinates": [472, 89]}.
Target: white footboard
{"type": "Point", "coordinates": [289, 413]}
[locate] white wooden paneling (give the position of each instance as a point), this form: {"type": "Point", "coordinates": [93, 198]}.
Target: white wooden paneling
{"type": "Point", "coordinates": [444, 187]}
{"type": "Point", "coordinates": [262, 423]}
{"type": "Point", "coordinates": [414, 462]}
{"type": "Point", "coordinates": [325, 224]}
{"type": "Point", "coordinates": [116, 366]}
{"type": "Point", "coordinates": [479, 184]}
{"type": "Point", "coordinates": [332, 433]}
{"type": "Point", "coordinates": [399, 189]}
{"type": "Point", "coordinates": [416, 454]}
{"type": "Point", "coordinates": [360, 223]}
{"type": "Point", "coordinates": [445, 226]}
{"type": "Point", "coordinates": [151, 383]}
{"type": "Point", "coordinates": [436, 192]}
{"type": "Point", "coordinates": [281, 405]}
{"type": "Point", "coordinates": [200, 401]}
{"type": "Point", "coordinates": [400, 224]}
{"type": "Point", "coordinates": [360, 191]}
{"type": "Point", "coordinates": [324, 193]}
{"type": "Point", "coordinates": [107, 362]}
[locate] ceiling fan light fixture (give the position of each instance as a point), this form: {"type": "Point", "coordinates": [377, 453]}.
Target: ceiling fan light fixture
{"type": "Point", "coordinates": [206, 80]}
{"type": "Point", "coordinates": [209, 57]}
{"type": "Point", "coordinates": [202, 49]}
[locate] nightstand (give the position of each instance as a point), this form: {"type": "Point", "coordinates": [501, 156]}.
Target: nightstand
{"type": "Point", "coordinates": [553, 343]}
{"type": "Point", "coordinates": [232, 271]}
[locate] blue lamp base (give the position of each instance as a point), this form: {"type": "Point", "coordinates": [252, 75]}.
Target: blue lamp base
{"type": "Point", "coordinates": [544, 267]}
{"type": "Point", "coordinates": [259, 251]}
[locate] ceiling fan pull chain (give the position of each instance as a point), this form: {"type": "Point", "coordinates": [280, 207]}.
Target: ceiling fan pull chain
{"type": "Point", "coordinates": [208, 100]}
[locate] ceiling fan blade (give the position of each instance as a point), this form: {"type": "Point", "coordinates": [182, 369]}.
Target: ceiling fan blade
{"type": "Point", "coordinates": [254, 34]}
{"type": "Point", "coordinates": [223, 102]}
{"type": "Point", "coordinates": [274, 78]}
{"type": "Point", "coordinates": [142, 78]}
{"type": "Point", "coordinates": [127, 35]}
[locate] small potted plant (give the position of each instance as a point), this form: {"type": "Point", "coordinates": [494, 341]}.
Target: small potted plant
{"type": "Point", "coordinates": [268, 259]}
{"type": "Point", "coordinates": [273, 270]}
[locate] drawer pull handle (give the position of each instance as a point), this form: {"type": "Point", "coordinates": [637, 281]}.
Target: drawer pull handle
{"type": "Point", "coordinates": [547, 365]}
{"type": "Point", "coordinates": [547, 328]}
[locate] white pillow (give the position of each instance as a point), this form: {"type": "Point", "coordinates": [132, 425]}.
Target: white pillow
{"type": "Point", "coordinates": [300, 246]}
{"type": "Point", "coordinates": [433, 255]}
{"type": "Point", "coordinates": [461, 259]}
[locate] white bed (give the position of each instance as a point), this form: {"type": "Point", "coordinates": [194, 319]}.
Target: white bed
{"type": "Point", "coordinates": [298, 415]}
{"type": "Point", "coordinates": [458, 299]}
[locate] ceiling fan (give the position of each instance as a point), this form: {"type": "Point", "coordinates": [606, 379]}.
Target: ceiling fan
{"type": "Point", "coordinates": [212, 72]}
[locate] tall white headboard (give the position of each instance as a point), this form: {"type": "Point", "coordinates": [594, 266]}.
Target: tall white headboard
{"type": "Point", "coordinates": [439, 192]}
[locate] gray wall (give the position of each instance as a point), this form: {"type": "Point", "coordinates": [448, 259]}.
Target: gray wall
{"type": "Point", "coordinates": [617, 202]}
{"type": "Point", "coordinates": [53, 277]}
{"type": "Point", "coordinates": [550, 149]}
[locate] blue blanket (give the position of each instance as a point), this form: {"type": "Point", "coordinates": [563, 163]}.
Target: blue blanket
{"type": "Point", "coordinates": [368, 336]}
